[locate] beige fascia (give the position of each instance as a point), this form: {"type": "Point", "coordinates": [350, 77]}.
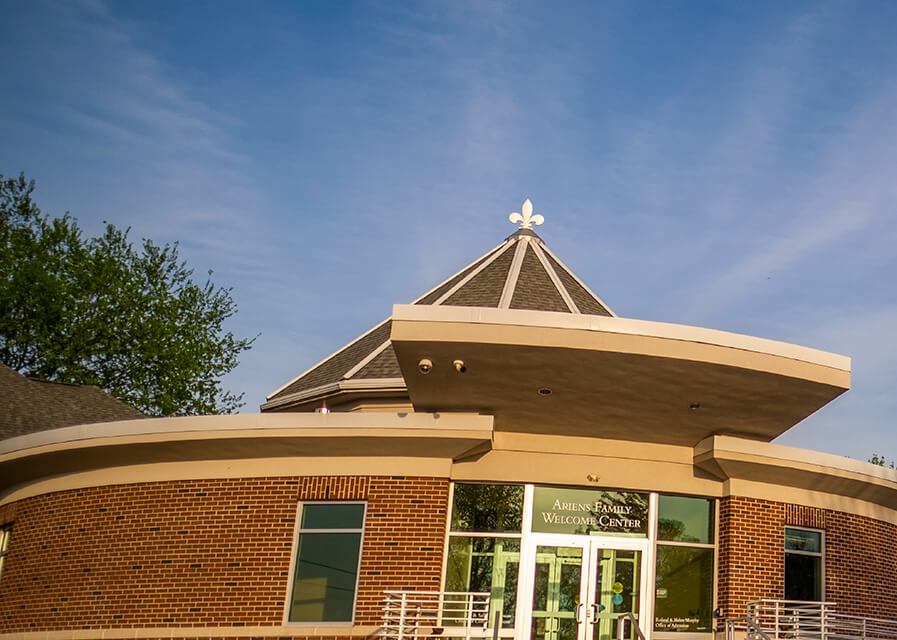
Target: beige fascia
{"type": "Point", "coordinates": [325, 390]}
{"type": "Point", "coordinates": [236, 441]}
{"type": "Point", "coordinates": [623, 335]}
{"type": "Point", "coordinates": [799, 476]}
{"type": "Point", "coordinates": [582, 462]}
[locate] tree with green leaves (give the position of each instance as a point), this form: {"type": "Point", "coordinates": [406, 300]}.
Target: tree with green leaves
{"type": "Point", "coordinates": [880, 461]}
{"type": "Point", "coordinates": [103, 312]}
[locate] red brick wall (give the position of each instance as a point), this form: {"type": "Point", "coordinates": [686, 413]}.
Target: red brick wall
{"type": "Point", "coordinates": [202, 553]}
{"type": "Point", "coordinates": [860, 556]}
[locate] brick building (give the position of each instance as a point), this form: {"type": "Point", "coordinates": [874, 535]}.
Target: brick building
{"type": "Point", "coordinates": [505, 433]}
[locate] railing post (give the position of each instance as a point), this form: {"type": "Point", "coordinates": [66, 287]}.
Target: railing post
{"type": "Point", "coordinates": [470, 616]}
{"type": "Point", "coordinates": [776, 618]}
{"type": "Point", "coordinates": [401, 625]}
{"type": "Point", "coordinates": [496, 627]}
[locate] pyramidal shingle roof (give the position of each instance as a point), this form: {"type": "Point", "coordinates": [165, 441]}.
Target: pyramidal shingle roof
{"type": "Point", "coordinates": [520, 273]}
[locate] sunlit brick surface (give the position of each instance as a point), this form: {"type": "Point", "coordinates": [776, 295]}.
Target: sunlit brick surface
{"type": "Point", "coordinates": [860, 556]}
{"type": "Point", "coordinates": [202, 553]}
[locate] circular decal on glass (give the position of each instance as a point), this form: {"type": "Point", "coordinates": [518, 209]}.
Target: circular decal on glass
{"type": "Point", "coordinates": [617, 599]}
{"type": "Point", "coordinates": [617, 588]}
{"type": "Point", "coordinates": [601, 608]}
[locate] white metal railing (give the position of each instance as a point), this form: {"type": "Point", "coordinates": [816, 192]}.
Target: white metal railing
{"type": "Point", "coordinates": [802, 620]}
{"type": "Point", "coordinates": [426, 614]}
{"type": "Point", "coordinates": [622, 619]}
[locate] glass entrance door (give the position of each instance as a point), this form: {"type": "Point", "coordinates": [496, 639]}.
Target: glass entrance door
{"type": "Point", "coordinates": [581, 586]}
{"type": "Point", "coordinates": [617, 590]}
{"type": "Point", "coordinates": [557, 593]}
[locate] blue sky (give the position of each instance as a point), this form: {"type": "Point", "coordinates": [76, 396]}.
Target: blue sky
{"type": "Point", "coordinates": [728, 165]}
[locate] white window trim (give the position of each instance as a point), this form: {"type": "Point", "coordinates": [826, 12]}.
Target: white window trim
{"type": "Point", "coordinates": [294, 553]}
{"type": "Point", "coordinates": [504, 632]}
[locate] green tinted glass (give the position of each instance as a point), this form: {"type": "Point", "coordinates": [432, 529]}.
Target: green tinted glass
{"type": "Point", "coordinates": [684, 519]}
{"type": "Point", "coordinates": [487, 508]}
{"type": "Point", "coordinates": [326, 571]}
{"type": "Point", "coordinates": [801, 540]}
{"type": "Point", "coordinates": [684, 595]}
{"type": "Point", "coordinates": [488, 565]}
{"type": "Point", "coordinates": [332, 516]}
{"type": "Point", "coordinates": [803, 577]}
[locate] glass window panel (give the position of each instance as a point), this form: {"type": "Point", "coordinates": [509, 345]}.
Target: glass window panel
{"type": "Point", "coordinates": [326, 575]}
{"type": "Point", "coordinates": [5, 533]}
{"type": "Point", "coordinates": [802, 540]}
{"type": "Point", "coordinates": [683, 519]}
{"type": "Point", "coordinates": [332, 516]}
{"type": "Point", "coordinates": [684, 591]}
{"type": "Point", "coordinates": [487, 508]}
{"type": "Point", "coordinates": [803, 577]}
{"type": "Point", "coordinates": [489, 565]}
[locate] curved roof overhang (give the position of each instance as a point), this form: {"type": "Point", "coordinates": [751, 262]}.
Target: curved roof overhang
{"type": "Point", "coordinates": [89, 447]}
{"type": "Point", "coordinates": [736, 460]}
{"type": "Point", "coordinates": [610, 377]}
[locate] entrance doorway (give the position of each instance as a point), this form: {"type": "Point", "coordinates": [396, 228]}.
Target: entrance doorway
{"type": "Point", "coordinates": [576, 587]}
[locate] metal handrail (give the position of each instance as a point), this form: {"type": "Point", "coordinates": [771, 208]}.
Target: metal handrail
{"type": "Point", "coordinates": [748, 625]}
{"type": "Point", "coordinates": [806, 620]}
{"type": "Point", "coordinates": [621, 626]}
{"type": "Point", "coordinates": [408, 615]}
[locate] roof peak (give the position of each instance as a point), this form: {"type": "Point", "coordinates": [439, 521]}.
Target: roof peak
{"type": "Point", "coordinates": [520, 273]}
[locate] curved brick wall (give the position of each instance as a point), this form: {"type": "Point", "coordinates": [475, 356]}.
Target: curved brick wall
{"type": "Point", "coordinates": [202, 553]}
{"type": "Point", "coordinates": [860, 556]}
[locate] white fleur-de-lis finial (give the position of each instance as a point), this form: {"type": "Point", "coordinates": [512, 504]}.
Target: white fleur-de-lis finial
{"type": "Point", "coordinates": [527, 219]}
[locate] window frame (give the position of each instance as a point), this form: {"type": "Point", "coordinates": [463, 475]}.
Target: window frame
{"type": "Point", "coordinates": [5, 536]}
{"type": "Point", "coordinates": [503, 632]}
{"type": "Point", "coordinates": [814, 554]}
{"type": "Point", "coordinates": [713, 546]}
{"type": "Point", "coordinates": [294, 557]}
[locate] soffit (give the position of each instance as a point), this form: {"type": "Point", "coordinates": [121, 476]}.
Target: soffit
{"type": "Point", "coordinates": [610, 377]}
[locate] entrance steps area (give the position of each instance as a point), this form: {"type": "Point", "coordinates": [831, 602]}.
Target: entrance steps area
{"type": "Point", "coordinates": [437, 615]}
{"type": "Point", "coordinates": [408, 615]}
{"type": "Point", "coordinates": [801, 620]}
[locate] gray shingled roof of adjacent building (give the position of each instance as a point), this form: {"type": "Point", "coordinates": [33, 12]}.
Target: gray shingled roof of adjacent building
{"type": "Point", "coordinates": [520, 273]}
{"type": "Point", "coordinates": [31, 405]}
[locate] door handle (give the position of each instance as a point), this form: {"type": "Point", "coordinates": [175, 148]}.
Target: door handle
{"type": "Point", "coordinates": [593, 611]}
{"type": "Point", "coordinates": [578, 610]}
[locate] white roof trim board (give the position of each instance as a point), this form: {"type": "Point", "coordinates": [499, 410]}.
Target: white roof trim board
{"type": "Point", "coordinates": [470, 276]}
{"type": "Point", "coordinates": [361, 364]}
{"type": "Point", "coordinates": [555, 279]}
{"type": "Point", "coordinates": [507, 291]}
{"type": "Point", "coordinates": [581, 283]}
{"type": "Point", "coordinates": [462, 270]}
{"type": "Point", "coordinates": [318, 364]}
